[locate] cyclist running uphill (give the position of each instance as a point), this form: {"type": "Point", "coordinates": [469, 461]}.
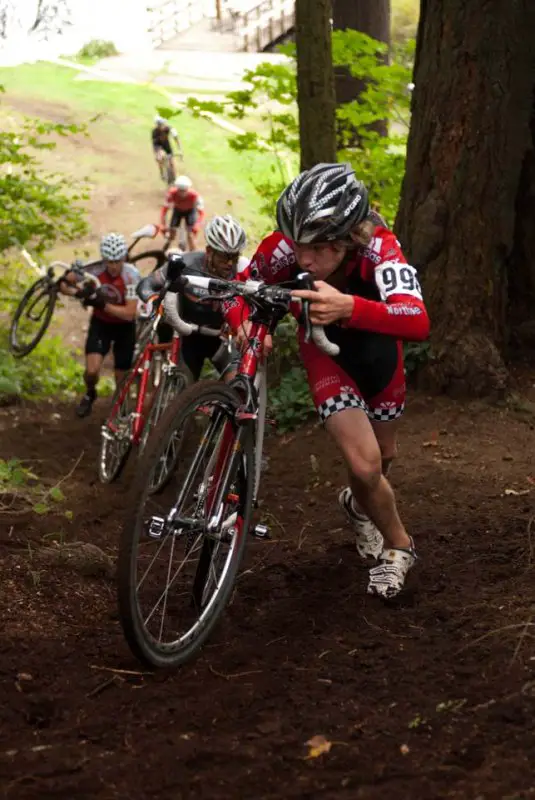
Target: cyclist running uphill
{"type": "Point", "coordinates": [114, 306]}
{"type": "Point", "coordinates": [225, 241]}
{"type": "Point", "coordinates": [161, 135]}
{"type": "Point", "coordinates": [187, 205]}
{"type": "Point", "coordinates": [369, 300]}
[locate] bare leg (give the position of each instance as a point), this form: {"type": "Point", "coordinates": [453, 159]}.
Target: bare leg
{"type": "Point", "coordinates": [357, 441]}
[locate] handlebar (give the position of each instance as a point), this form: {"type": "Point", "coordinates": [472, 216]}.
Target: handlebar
{"type": "Point", "coordinates": [170, 307]}
{"type": "Point", "coordinates": [273, 294]}
{"type": "Point", "coordinates": [78, 268]}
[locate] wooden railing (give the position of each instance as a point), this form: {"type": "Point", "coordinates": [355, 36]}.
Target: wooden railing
{"type": "Point", "coordinates": [255, 23]}
{"type": "Point", "coordinates": [171, 17]}
{"type": "Point", "coordinates": [265, 23]}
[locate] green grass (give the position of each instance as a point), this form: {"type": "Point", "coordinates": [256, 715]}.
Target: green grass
{"type": "Point", "coordinates": [122, 115]}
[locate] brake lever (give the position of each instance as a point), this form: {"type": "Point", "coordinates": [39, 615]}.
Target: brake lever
{"type": "Point", "coordinates": [305, 281]}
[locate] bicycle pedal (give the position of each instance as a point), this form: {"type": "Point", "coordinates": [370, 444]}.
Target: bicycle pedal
{"type": "Point", "coordinates": [260, 532]}
{"type": "Point", "coordinates": [154, 527]}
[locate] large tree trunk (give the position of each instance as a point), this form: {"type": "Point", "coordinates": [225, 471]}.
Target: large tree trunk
{"type": "Point", "coordinates": [315, 82]}
{"type": "Point", "coordinates": [469, 191]}
{"type": "Point", "coordinates": [373, 18]}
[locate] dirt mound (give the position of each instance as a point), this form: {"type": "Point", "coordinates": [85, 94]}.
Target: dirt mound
{"type": "Point", "coordinates": [431, 697]}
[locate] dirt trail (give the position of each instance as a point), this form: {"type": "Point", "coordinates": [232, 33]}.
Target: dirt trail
{"type": "Point", "coordinates": [433, 697]}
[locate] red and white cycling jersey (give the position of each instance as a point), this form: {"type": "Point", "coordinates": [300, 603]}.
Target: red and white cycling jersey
{"type": "Point", "coordinates": [388, 308]}
{"type": "Point", "coordinates": [183, 201]}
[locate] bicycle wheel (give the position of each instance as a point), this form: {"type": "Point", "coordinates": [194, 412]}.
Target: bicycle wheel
{"type": "Point", "coordinates": [148, 261]}
{"type": "Point", "coordinates": [32, 317]}
{"type": "Point", "coordinates": [116, 431]}
{"type": "Point", "coordinates": [180, 551]}
{"type": "Point", "coordinates": [174, 381]}
{"type": "Point", "coordinates": [171, 175]}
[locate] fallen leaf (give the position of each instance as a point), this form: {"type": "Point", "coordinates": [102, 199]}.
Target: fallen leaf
{"type": "Point", "coordinates": [516, 492]}
{"type": "Point", "coordinates": [318, 745]}
{"type": "Point", "coordinates": [404, 749]}
{"type": "Point", "coordinates": [430, 443]}
{"type": "Point", "coordinates": [531, 480]}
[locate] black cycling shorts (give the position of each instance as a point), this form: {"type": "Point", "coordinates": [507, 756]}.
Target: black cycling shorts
{"type": "Point", "coordinates": [195, 349]}
{"type": "Point", "coordinates": [165, 147]}
{"type": "Point", "coordinates": [190, 217]}
{"type": "Point", "coordinates": [101, 335]}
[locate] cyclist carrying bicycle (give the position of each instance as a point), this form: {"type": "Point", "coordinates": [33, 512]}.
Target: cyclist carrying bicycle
{"type": "Point", "coordinates": [187, 205]}
{"type": "Point", "coordinates": [114, 306]}
{"type": "Point", "coordinates": [225, 241]}
{"type": "Point", "coordinates": [369, 300]}
{"type": "Point", "coordinates": [161, 135]}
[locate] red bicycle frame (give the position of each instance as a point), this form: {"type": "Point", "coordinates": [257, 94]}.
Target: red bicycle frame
{"type": "Point", "coordinates": [142, 366]}
{"type": "Point", "coordinates": [247, 369]}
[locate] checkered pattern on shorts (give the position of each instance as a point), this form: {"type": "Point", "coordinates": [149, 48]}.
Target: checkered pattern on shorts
{"type": "Point", "coordinates": [386, 414]}
{"type": "Point", "coordinates": [339, 402]}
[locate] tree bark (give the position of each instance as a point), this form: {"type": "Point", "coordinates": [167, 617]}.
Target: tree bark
{"type": "Point", "coordinates": [467, 212]}
{"type": "Point", "coordinates": [315, 82]}
{"type": "Point", "coordinates": [373, 18]}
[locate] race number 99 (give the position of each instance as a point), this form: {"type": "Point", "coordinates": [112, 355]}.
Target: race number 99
{"type": "Point", "coordinates": [394, 278]}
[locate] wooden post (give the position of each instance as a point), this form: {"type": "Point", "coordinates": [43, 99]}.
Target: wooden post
{"type": "Point", "coordinates": [218, 10]}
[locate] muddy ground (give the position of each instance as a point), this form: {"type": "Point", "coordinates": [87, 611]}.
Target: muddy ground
{"type": "Point", "coordinates": [431, 697]}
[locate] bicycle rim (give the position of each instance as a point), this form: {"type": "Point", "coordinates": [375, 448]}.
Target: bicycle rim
{"type": "Point", "coordinates": [32, 317]}
{"type": "Point", "coordinates": [116, 432]}
{"type": "Point", "coordinates": [173, 383]}
{"type": "Point", "coordinates": [180, 551]}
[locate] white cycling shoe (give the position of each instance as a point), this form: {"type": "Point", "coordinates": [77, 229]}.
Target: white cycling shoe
{"type": "Point", "coordinates": [369, 540]}
{"type": "Point", "coordinates": [387, 579]}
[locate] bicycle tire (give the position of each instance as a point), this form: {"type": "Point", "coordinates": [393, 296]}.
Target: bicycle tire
{"type": "Point", "coordinates": [16, 348]}
{"type": "Point", "coordinates": [171, 173]}
{"type": "Point", "coordinates": [106, 473]}
{"type": "Point", "coordinates": [157, 255]}
{"type": "Point", "coordinates": [143, 646]}
{"type": "Point", "coordinates": [171, 387]}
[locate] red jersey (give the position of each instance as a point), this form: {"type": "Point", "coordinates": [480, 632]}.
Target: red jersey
{"type": "Point", "coordinates": [387, 294]}
{"type": "Point", "coordinates": [116, 290]}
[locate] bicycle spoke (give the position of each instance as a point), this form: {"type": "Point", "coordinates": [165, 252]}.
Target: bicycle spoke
{"type": "Point", "coordinates": [187, 541]}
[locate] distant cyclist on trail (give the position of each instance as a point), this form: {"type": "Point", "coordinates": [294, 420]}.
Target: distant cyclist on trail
{"type": "Point", "coordinates": [161, 135]}
{"type": "Point", "coordinates": [369, 300]}
{"type": "Point", "coordinates": [114, 306]}
{"type": "Point", "coordinates": [187, 205]}
{"type": "Point", "coordinates": [225, 241]}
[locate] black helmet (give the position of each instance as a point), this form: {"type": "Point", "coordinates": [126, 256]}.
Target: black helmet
{"type": "Point", "coordinates": [322, 204]}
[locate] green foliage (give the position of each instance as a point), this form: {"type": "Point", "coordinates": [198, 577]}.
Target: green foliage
{"type": "Point", "coordinates": [22, 489]}
{"type": "Point", "coordinates": [96, 49]}
{"type": "Point", "coordinates": [289, 398]}
{"type": "Point", "coordinates": [51, 370]}
{"type": "Point", "coordinates": [416, 355]}
{"type": "Point", "coordinates": [378, 160]}
{"type": "Point", "coordinates": [37, 207]}
{"type": "Point", "coordinates": [272, 87]}
{"type": "Point", "coordinates": [290, 402]}
{"type": "Point", "coordinates": [404, 20]}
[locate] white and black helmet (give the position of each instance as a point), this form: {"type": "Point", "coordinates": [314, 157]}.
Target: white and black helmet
{"type": "Point", "coordinates": [160, 120]}
{"type": "Point", "coordinates": [225, 235]}
{"type": "Point", "coordinates": [113, 247]}
{"type": "Point", "coordinates": [322, 204]}
{"type": "Point", "coordinates": [183, 183]}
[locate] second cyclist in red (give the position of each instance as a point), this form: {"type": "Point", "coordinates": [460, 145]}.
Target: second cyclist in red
{"type": "Point", "coordinates": [187, 205]}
